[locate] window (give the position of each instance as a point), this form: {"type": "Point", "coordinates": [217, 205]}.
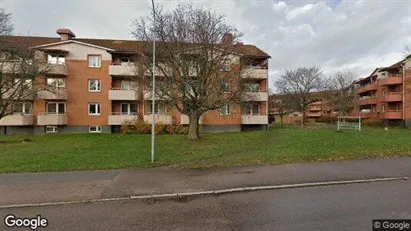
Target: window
{"type": "Point", "coordinates": [252, 87]}
{"type": "Point", "coordinates": [225, 110]}
{"type": "Point", "coordinates": [23, 108]}
{"type": "Point", "coordinates": [51, 129]}
{"type": "Point", "coordinates": [225, 87]}
{"type": "Point", "coordinates": [56, 59]}
{"type": "Point", "coordinates": [128, 85]}
{"type": "Point", "coordinates": [56, 108]}
{"type": "Point", "coordinates": [94, 85]}
{"type": "Point", "coordinates": [56, 83]}
{"type": "Point", "coordinates": [128, 108]}
{"type": "Point", "coordinates": [158, 109]}
{"type": "Point", "coordinates": [125, 60]}
{"type": "Point", "coordinates": [252, 109]}
{"type": "Point", "coordinates": [94, 109]}
{"type": "Point", "coordinates": [94, 128]}
{"type": "Point", "coordinates": [226, 65]}
{"type": "Point", "coordinates": [26, 83]}
{"type": "Point", "coordinates": [94, 61]}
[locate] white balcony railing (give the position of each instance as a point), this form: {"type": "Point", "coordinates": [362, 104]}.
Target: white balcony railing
{"type": "Point", "coordinates": [125, 69]}
{"type": "Point", "coordinates": [117, 94]}
{"type": "Point", "coordinates": [16, 120]}
{"type": "Point", "coordinates": [51, 119]}
{"type": "Point", "coordinates": [255, 73]}
{"type": "Point", "coordinates": [254, 119]}
{"type": "Point", "coordinates": [165, 119]}
{"type": "Point", "coordinates": [118, 118]}
{"type": "Point", "coordinates": [256, 96]}
{"type": "Point", "coordinates": [52, 94]}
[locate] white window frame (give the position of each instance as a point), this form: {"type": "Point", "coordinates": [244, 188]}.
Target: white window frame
{"type": "Point", "coordinates": [27, 82]}
{"type": "Point", "coordinates": [250, 86]}
{"type": "Point", "coordinates": [160, 108]}
{"type": "Point", "coordinates": [57, 108]}
{"type": "Point", "coordinates": [96, 130]}
{"type": "Point", "coordinates": [128, 109]}
{"type": "Point", "coordinates": [54, 129]}
{"type": "Point", "coordinates": [249, 109]}
{"type": "Point", "coordinates": [98, 109]}
{"type": "Point", "coordinates": [23, 108]}
{"type": "Point", "coordinates": [56, 59]}
{"type": "Point", "coordinates": [131, 85]}
{"type": "Point", "coordinates": [225, 110]}
{"type": "Point", "coordinates": [90, 57]}
{"type": "Point", "coordinates": [98, 86]}
{"type": "Point", "coordinates": [56, 83]}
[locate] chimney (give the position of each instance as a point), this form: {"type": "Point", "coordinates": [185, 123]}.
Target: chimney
{"type": "Point", "coordinates": [240, 43]}
{"type": "Point", "coordinates": [228, 39]}
{"type": "Point", "coordinates": [65, 34]}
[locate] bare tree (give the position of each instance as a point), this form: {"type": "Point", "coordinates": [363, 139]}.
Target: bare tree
{"type": "Point", "coordinates": [196, 70]}
{"type": "Point", "coordinates": [340, 93]}
{"type": "Point", "coordinates": [19, 68]}
{"type": "Point", "coordinates": [281, 106]}
{"type": "Point", "coordinates": [407, 51]}
{"type": "Point", "coordinates": [298, 85]}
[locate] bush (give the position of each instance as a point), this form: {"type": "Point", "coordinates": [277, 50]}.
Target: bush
{"type": "Point", "coordinates": [140, 127]}
{"type": "Point", "coordinates": [372, 123]}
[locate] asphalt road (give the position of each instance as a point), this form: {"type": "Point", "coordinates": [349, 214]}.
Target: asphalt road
{"type": "Point", "coordinates": [343, 207]}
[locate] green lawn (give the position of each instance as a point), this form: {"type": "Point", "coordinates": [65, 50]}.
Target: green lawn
{"type": "Point", "coordinates": [279, 145]}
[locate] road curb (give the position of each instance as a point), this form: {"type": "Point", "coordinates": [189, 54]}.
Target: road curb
{"type": "Point", "coordinates": [210, 192]}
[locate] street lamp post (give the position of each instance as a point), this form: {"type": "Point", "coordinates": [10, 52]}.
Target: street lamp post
{"type": "Point", "coordinates": [153, 118]}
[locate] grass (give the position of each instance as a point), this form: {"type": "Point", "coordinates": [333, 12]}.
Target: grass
{"type": "Point", "coordinates": [278, 146]}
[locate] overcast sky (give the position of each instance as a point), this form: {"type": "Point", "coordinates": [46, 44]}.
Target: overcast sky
{"type": "Point", "coordinates": [359, 35]}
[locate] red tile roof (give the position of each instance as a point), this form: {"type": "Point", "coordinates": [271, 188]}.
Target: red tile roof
{"type": "Point", "coordinates": [24, 42]}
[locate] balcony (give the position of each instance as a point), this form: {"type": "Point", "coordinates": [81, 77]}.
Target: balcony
{"type": "Point", "coordinates": [369, 87]}
{"type": "Point", "coordinates": [116, 94]}
{"type": "Point", "coordinates": [393, 80]}
{"type": "Point", "coordinates": [12, 93]}
{"type": "Point", "coordinates": [391, 115]}
{"type": "Point", "coordinates": [315, 108]}
{"type": "Point", "coordinates": [50, 119]}
{"type": "Point", "coordinates": [184, 119]}
{"type": "Point", "coordinates": [254, 119]}
{"type": "Point", "coordinates": [56, 69]}
{"type": "Point", "coordinates": [164, 119]}
{"type": "Point", "coordinates": [147, 96]}
{"type": "Point", "coordinates": [313, 114]}
{"type": "Point", "coordinates": [125, 69]}
{"type": "Point", "coordinates": [52, 94]}
{"type": "Point", "coordinates": [17, 120]}
{"type": "Point", "coordinates": [255, 73]}
{"type": "Point", "coordinates": [392, 97]}
{"type": "Point", "coordinates": [256, 96]}
{"type": "Point", "coordinates": [368, 101]}
{"type": "Point", "coordinates": [117, 118]}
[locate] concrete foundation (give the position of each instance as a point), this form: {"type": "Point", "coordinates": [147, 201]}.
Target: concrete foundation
{"type": "Point", "coordinates": [16, 130]}
{"type": "Point", "coordinates": [221, 128]}
{"type": "Point", "coordinates": [254, 127]}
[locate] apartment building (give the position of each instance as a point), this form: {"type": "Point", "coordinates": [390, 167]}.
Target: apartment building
{"type": "Point", "coordinates": [319, 109]}
{"type": "Point", "coordinates": [385, 94]}
{"type": "Point", "coordinates": [98, 83]}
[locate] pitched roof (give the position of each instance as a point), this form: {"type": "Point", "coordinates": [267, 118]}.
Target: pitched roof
{"type": "Point", "coordinates": [25, 42]}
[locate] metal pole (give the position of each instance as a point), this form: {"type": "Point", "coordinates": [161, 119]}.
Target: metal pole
{"type": "Point", "coordinates": [153, 118]}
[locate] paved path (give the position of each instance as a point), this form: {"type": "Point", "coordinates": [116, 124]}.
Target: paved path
{"type": "Point", "coordinates": [69, 186]}
{"type": "Point", "coordinates": [343, 207]}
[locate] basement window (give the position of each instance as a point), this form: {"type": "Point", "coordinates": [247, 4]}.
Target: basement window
{"type": "Point", "coordinates": [94, 128]}
{"type": "Point", "coordinates": [51, 129]}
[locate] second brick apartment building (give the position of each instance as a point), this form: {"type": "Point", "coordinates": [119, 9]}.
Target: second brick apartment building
{"type": "Point", "coordinates": [95, 91]}
{"type": "Point", "coordinates": [386, 94]}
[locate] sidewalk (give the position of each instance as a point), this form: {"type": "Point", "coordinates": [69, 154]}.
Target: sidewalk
{"type": "Point", "coordinates": [28, 188]}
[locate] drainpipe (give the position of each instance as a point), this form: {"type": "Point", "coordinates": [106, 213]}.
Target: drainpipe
{"type": "Point", "coordinates": [403, 94]}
